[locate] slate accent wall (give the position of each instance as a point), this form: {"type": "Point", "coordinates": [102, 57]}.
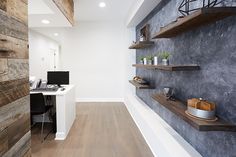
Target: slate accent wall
{"type": "Point", "coordinates": [14, 79]}
{"type": "Point", "coordinates": [213, 47]}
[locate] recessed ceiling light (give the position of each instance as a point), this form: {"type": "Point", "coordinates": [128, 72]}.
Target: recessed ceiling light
{"type": "Point", "coordinates": [56, 34]}
{"type": "Point", "coordinates": [45, 21]}
{"type": "Point", "coordinates": [102, 4]}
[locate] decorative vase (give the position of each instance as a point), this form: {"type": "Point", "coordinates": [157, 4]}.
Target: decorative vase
{"type": "Point", "coordinates": [155, 59]}
{"type": "Point", "coordinates": [149, 62]}
{"type": "Point", "coordinates": [145, 61]}
{"type": "Point", "coordinates": [165, 61]}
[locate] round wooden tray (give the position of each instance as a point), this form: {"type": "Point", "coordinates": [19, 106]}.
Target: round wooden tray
{"type": "Point", "coordinates": [203, 119]}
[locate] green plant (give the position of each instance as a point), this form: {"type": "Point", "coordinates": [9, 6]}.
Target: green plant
{"type": "Point", "coordinates": [164, 55]}
{"type": "Point", "coordinates": [141, 58]}
{"type": "Point", "coordinates": [149, 58]}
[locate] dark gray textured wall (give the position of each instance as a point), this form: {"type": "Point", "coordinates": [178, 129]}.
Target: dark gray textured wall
{"type": "Point", "coordinates": [213, 47]}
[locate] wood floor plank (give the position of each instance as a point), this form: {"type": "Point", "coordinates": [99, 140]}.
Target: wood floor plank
{"type": "Point", "coordinates": [100, 130]}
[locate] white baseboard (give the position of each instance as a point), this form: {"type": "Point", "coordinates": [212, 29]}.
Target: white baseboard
{"type": "Point", "coordinates": [163, 140]}
{"type": "Point", "coordinates": [60, 136]}
{"type": "Point", "coordinates": [100, 100]}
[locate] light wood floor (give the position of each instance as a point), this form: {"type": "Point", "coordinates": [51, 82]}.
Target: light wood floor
{"type": "Point", "coordinates": [100, 130]}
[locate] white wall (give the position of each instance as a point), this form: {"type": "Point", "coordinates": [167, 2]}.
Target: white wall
{"type": "Point", "coordinates": [94, 53]}
{"type": "Point", "coordinates": [41, 54]}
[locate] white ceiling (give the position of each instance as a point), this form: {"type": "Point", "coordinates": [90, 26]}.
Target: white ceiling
{"type": "Point", "coordinates": [38, 7]}
{"type": "Point", "coordinates": [131, 12]}
{"type": "Point", "coordinates": [88, 10]}
{"type": "Point", "coordinates": [45, 9]}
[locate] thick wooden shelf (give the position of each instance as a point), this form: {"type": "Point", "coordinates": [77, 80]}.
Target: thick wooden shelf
{"type": "Point", "coordinates": [142, 45]}
{"type": "Point", "coordinates": [140, 86]}
{"type": "Point", "coordinates": [200, 17]}
{"type": "Point", "coordinates": [190, 67]}
{"type": "Point", "coordinates": [179, 109]}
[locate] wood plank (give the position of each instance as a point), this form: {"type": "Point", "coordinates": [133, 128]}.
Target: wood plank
{"type": "Point", "coordinates": [140, 86]}
{"type": "Point", "coordinates": [3, 5]}
{"type": "Point", "coordinates": [18, 68]}
{"type": "Point", "coordinates": [198, 18]}
{"type": "Point", "coordinates": [142, 45]}
{"type": "Point", "coordinates": [14, 69]}
{"type": "Point", "coordinates": [67, 8]}
{"type": "Point", "coordinates": [25, 1]}
{"type": "Point", "coordinates": [189, 67]}
{"type": "Point", "coordinates": [15, 48]}
{"type": "Point", "coordinates": [14, 74]}
{"type": "Point", "coordinates": [3, 69]}
{"type": "Point", "coordinates": [12, 134]}
{"type": "Point", "coordinates": [3, 142]}
{"type": "Point", "coordinates": [21, 147]}
{"type": "Point", "coordinates": [12, 27]}
{"type": "Point", "coordinates": [28, 153]}
{"type": "Point", "coordinates": [13, 111]}
{"type": "Point", "coordinates": [13, 90]}
{"type": "Point", "coordinates": [18, 9]}
{"type": "Point", "coordinates": [179, 108]}
{"type": "Point", "coordinates": [18, 129]}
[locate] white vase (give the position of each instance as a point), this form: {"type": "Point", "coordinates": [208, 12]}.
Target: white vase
{"type": "Point", "coordinates": [155, 60]}
{"type": "Point", "coordinates": [145, 61]}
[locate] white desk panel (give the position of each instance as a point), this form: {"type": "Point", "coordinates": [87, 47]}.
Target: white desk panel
{"type": "Point", "coordinates": [65, 109]}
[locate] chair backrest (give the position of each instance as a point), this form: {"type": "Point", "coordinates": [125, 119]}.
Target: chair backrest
{"type": "Point", "coordinates": [37, 103]}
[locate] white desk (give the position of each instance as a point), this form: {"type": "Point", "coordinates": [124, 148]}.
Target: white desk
{"type": "Point", "coordinates": [65, 110]}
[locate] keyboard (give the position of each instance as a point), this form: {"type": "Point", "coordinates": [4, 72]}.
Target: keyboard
{"type": "Point", "coordinates": [54, 89]}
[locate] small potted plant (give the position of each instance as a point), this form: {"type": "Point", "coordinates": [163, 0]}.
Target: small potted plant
{"type": "Point", "coordinates": [149, 60]}
{"type": "Point", "coordinates": [165, 58]}
{"type": "Point", "coordinates": [141, 60]}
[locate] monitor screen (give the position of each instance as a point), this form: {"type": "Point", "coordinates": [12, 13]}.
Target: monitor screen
{"type": "Point", "coordinates": [58, 77]}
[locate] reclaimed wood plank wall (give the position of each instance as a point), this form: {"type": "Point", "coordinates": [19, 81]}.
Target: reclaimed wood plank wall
{"type": "Point", "coordinates": [67, 8]}
{"type": "Point", "coordinates": [14, 84]}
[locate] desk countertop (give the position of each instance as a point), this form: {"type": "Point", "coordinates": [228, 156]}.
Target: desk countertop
{"type": "Point", "coordinates": [58, 92]}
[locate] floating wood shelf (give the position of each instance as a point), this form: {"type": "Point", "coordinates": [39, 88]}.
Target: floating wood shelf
{"type": "Point", "coordinates": [190, 67]}
{"type": "Point", "coordinates": [141, 45]}
{"type": "Point", "coordinates": [179, 109]}
{"type": "Point", "coordinates": [140, 86]}
{"type": "Point", "coordinates": [198, 18]}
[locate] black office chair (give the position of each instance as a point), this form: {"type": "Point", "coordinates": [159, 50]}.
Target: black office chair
{"type": "Point", "coordinates": [38, 106]}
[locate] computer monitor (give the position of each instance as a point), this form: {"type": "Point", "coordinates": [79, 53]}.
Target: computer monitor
{"type": "Point", "coordinates": [58, 78]}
